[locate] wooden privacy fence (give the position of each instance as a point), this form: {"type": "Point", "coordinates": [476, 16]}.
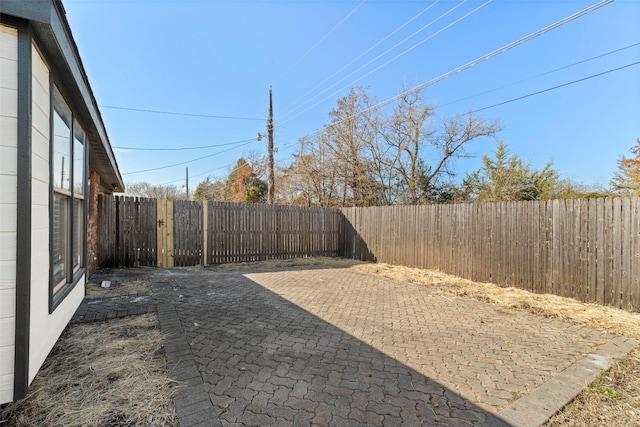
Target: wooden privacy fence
{"type": "Point", "coordinates": [240, 232]}
{"type": "Point", "coordinates": [136, 232]}
{"type": "Point", "coordinates": [584, 249]}
{"type": "Point", "coordinates": [188, 226]}
{"type": "Point", "coordinates": [127, 231]}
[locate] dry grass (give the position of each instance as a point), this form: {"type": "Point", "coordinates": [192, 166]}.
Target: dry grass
{"type": "Point", "coordinates": [594, 316]}
{"type": "Point", "coordinates": [612, 400]}
{"type": "Point", "coordinates": [283, 263]}
{"type": "Point", "coordinates": [114, 374]}
{"type": "Point", "coordinates": [100, 374]}
{"type": "Point", "coordinates": [141, 286]}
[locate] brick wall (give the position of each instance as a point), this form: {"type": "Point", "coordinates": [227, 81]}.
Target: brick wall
{"type": "Point", "coordinates": [92, 225]}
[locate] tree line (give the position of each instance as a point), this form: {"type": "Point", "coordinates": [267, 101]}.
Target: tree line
{"type": "Point", "coordinates": [367, 157]}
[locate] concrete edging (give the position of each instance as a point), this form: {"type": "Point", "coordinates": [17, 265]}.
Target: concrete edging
{"type": "Point", "coordinates": [538, 406]}
{"type": "Point", "coordinates": [192, 402]}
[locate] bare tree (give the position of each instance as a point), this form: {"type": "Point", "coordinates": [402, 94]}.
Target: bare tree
{"type": "Point", "coordinates": [412, 155]}
{"type": "Point", "coordinates": [348, 139]}
{"type": "Point", "coordinates": [257, 162]}
{"type": "Point", "coordinates": [154, 191]}
{"type": "Point", "coordinates": [451, 140]}
{"type": "Point", "coordinates": [397, 151]}
{"type": "Point", "coordinates": [364, 157]}
{"type": "Point", "coordinates": [312, 177]}
{"type": "Point", "coordinates": [212, 190]}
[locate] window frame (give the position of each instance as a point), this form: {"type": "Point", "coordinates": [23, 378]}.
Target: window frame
{"type": "Point", "coordinates": [73, 272]}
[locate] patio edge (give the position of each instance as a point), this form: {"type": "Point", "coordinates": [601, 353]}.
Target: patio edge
{"type": "Point", "coordinates": [538, 406]}
{"type": "Point", "coordinates": [192, 402]}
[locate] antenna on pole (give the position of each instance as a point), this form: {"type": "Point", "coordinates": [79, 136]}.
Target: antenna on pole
{"type": "Point", "coordinates": [270, 179]}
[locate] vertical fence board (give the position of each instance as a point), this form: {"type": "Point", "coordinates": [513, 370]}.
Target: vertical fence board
{"type": "Point", "coordinates": [583, 251]}
{"type": "Point", "coordinates": [603, 248]}
{"type": "Point", "coordinates": [121, 219]}
{"type": "Point", "coordinates": [635, 254]}
{"type": "Point", "coordinates": [535, 240]}
{"type": "Point", "coordinates": [616, 254]}
{"type": "Point", "coordinates": [591, 251]}
{"type": "Point", "coordinates": [625, 254]}
{"type": "Point", "coordinates": [160, 241]}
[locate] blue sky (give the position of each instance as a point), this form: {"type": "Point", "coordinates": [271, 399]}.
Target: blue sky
{"type": "Point", "coordinates": [218, 58]}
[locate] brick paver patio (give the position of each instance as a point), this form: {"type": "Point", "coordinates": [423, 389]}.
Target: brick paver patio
{"type": "Point", "coordinates": [330, 346]}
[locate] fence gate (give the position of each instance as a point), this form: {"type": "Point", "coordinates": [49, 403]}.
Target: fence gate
{"type": "Point", "coordinates": [180, 224]}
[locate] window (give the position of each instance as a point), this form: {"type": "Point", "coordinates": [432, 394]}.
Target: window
{"type": "Point", "coordinates": [69, 178]}
{"type": "Point", "coordinates": [78, 197]}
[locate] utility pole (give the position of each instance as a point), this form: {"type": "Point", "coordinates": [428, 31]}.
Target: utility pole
{"type": "Point", "coordinates": [270, 179]}
{"type": "Point", "coordinates": [187, 183]}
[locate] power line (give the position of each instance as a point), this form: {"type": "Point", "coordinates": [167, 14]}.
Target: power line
{"type": "Point", "coordinates": [462, 68]}
{"type": "Point", "coordinates": [181, 148]}
{"type": "Point", "coordinates": [380, 56]}
{"type": "Point", "coordinates": [218, 168]}
{"type": "Point", "coordinates": [285, 146]}
{"type": "Point", "coordinates": [541, 74]}
{"type": "Point", "coordinates": [203, 173]}
{"type": "Point", "coordinates": [342, 21]}
{"type": "Point", "coordinates": [468, 65]}
{"type": "Point", "coordinates": [478, 60]}
{"type": "Point", "coordinates": [173, 113]}
{"type": "Point", "coordinates": [422, 12]}
{"type": "Point", "coordinates": [554, 88]}
{"type": "Point", "coordinates": [206, 173]}
{"type": "Point", "coordinates": [189, 161]}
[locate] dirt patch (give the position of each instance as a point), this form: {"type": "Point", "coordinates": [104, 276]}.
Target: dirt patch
{"type": "Point", "coordinates": [109, 374]}
{"type": "Point", "coordinates": [119, 288]}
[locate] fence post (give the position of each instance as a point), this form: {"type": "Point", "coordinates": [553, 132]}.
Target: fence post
{"type": "Point", "coordinates": [169, 231]}
{"type": "Point", "coordinates": [205, 231]}
{"type": "Point", "coordinates": [165, 233]}
{"type": "Point", "coordinates": [160, 253]}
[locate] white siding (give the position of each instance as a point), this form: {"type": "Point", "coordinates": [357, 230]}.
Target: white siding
{"type": "Point", "coordinates": [8, 204]}
{"type": "Point", "coordinates": [45, 328]}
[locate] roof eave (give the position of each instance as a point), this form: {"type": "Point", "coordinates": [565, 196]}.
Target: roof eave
{"type": "Point", "coordinates": [50, 25]}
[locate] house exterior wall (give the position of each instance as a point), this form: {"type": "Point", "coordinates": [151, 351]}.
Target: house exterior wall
{"type": "Point", "coordinates": [92, 224]}
{"type": "Point", "coordinates": [8, 203]}
{"type": "Point", "coordinates": [45, 327]}
{"type": "Point", "coordinates": [38, 53]}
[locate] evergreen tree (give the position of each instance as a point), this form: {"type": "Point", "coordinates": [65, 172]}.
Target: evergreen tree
{"type": "Point", "coordinates": [507, 178]}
